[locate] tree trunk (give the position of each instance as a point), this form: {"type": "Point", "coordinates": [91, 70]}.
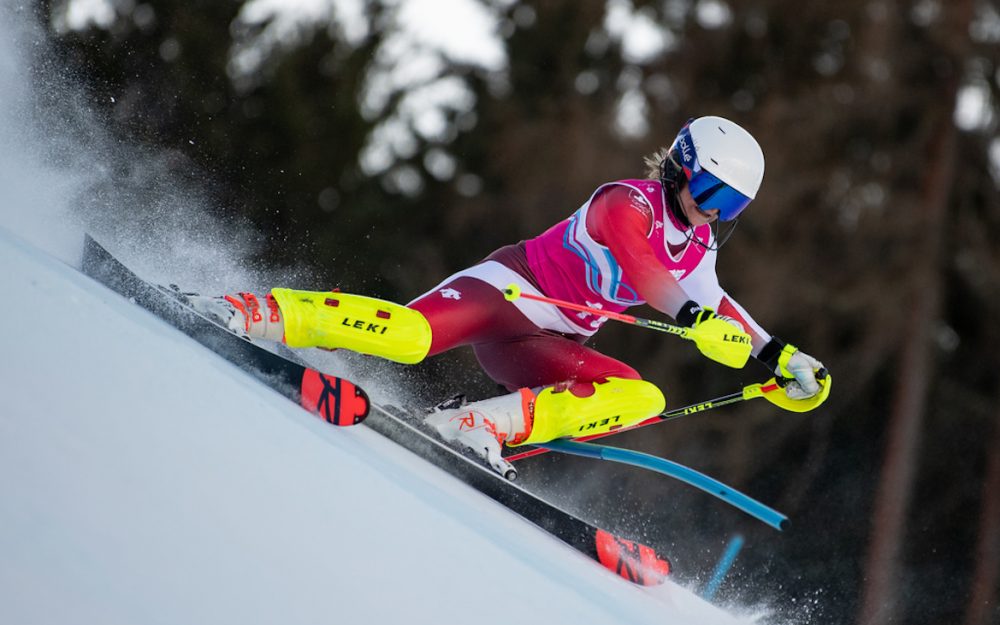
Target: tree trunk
{"type": "Point", "coordinates": [983, 598]}
{"type": "Point", "coordinates": [915, 377]}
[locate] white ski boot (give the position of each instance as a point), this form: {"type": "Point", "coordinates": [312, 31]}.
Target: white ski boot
{"type": "Point", "coordinates": [484, 426]}
{"type": "Point", "coordinates": [242, 314]}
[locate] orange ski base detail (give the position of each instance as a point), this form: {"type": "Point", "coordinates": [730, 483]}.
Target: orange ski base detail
{"type": "Point", "coordinates": [334, 399]}
{"type": "Point", "coordinates": [635, 562]}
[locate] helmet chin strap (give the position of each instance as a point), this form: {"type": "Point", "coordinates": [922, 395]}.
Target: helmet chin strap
{"type": "Point", "coordinates": [669, 171]}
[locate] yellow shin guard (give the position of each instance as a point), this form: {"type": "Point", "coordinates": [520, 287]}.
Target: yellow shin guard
{"type": "Point", "coordinates": [361, 324]}
{"type": "Point", "coordinates": [615, 404]}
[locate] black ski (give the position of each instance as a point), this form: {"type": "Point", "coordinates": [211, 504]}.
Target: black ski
{"type": "Point", "coordinates": [340, 402]}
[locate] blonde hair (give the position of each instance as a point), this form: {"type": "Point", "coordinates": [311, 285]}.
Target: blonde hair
{"type": "Point", "coordinates": [654, 163]}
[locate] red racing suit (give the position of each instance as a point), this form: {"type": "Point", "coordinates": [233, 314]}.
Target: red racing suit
{"type": "Point", "coordinates": [623, 247]}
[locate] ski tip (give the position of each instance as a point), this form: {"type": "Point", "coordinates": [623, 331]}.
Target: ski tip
{"type": "Point", "coordinates": [634, 561]}
{"type": "Point", "coordinates": [336, 400]}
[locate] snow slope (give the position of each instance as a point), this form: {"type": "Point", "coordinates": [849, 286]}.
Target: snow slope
{"type": "Point", "coordinates": [145, 480]}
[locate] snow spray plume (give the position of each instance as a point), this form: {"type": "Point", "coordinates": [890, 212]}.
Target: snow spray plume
{"type": "Point", "coordinates": [63, 171]}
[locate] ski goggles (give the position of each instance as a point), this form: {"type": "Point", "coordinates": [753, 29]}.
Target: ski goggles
{"type": "Point", "coordinates": [709, 192]}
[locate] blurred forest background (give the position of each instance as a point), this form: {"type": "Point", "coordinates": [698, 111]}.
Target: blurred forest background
{"type": "Point", "coordinates": [388, 143]}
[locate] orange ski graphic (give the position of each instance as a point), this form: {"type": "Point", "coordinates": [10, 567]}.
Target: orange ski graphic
{"type": "Point", "coordinates": [635, 562]}
{"type": "Point", "coordinates": [334, 399]}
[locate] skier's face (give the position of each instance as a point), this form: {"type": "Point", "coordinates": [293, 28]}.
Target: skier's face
{"type": "Point", "coordinates": [696, 216]}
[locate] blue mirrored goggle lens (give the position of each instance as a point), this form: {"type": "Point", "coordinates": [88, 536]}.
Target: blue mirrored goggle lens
{"type": "Point", "coordinates": [709, 192]}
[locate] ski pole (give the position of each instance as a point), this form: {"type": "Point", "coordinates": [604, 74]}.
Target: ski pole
{"type": "Point", "coordinates": [748, 392]}
{"type": "Point", "coordinates": [513, 292]}
{"type": "Point", "coordinates": [752, 391]}
{"type": "Point", "coordinates": [731, 348]}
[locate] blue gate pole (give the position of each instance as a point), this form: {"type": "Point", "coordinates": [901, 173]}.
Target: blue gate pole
{"type": "Point", "coordinates": [722, 568]}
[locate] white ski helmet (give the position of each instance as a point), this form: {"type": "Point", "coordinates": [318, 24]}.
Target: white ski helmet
{"type": "Point", "coordinates": [722, 162]}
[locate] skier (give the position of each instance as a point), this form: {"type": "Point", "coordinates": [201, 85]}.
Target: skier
{"type": "Point", "coordinates": [634, 241]}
